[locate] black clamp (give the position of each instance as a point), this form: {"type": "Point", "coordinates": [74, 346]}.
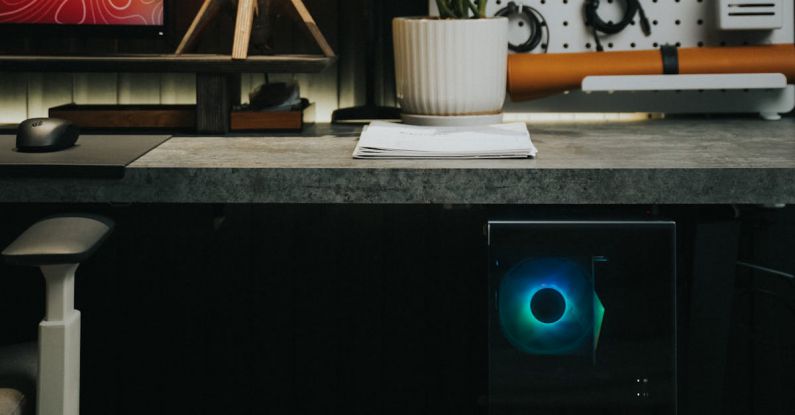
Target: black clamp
{"type": "Point", "coordinates": [670, 59]}
{"type": "Point", "coordinates": [536, 23]}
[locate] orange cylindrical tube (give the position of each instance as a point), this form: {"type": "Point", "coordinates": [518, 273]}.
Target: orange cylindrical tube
{"type": "Point", "coordinates": [534, 76]}
{"type": "Point", "coordinates": [744, 59]}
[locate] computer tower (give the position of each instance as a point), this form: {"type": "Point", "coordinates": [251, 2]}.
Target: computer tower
{"type": "Point", "coordinates": [582, 318]}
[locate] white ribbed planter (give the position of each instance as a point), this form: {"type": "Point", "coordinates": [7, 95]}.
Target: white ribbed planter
{"type": "Point", "coordinates": [451, 67]}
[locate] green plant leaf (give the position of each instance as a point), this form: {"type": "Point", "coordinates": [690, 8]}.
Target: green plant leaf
{"type": "Point", "coordinates": [444, 9]}
{"type": "Point", "coordinates": [475, 11]}
{"type": "Point", "coordinates": [482, 8]}
{"type": "Point", "coordinates": [461, 9]}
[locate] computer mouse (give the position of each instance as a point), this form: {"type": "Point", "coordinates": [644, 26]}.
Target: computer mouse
{"type": "Point", "coordinates": [45, 135]}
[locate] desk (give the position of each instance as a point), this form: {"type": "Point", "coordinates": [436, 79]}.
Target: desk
{"type": "Point", "coordinates": [350, 306]}
{"type": "Point", "coordinates": [674, 161]}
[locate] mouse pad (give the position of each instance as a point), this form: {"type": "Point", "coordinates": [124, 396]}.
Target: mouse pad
{"type": "Point", "coordinates": [94, 156]}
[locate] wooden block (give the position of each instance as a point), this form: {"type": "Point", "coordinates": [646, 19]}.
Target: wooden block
{"type": "Point", "coordinates": [243, 26]}
{"type": "Point", "coordinates": [216, 94]}
{"type": "Point", "coordinates": [182, 117]}
{"type": "Point", "coordinates": [206, 14]}
{"type": "Point", "coordinates": [311, 26]}
{"type": "Point", "coordinates": [264, 121]}
{"type": "Point", "coordinates": [246, 10]}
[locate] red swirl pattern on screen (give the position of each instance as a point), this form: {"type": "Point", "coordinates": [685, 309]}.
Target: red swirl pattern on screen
{"type": "Point", "coordinates": [83, 12]}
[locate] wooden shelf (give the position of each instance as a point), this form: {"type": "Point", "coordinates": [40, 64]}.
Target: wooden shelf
{"type": "Point", "coordinates": [189, 63]}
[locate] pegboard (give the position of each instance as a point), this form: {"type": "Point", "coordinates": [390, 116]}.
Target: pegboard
{"type": "Point", "coordinates": [687, 23]}
{"type": "Point", "coordinates": [684, 23]}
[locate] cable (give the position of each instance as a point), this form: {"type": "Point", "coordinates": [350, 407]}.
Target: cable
{"type": "Point", "coordinates": [598, 25]}
{"type": "Point", "coordinates": [788, 277]}
{"type": "Point", "coordinates": [536, 22]}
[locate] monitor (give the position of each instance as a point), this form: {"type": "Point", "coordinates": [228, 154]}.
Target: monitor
{"type": "Point", "coordinates": [74, 13]}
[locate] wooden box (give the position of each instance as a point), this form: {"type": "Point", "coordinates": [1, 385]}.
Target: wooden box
{"type": "Point", "coordinates": [245, 120]}
{"type": "Point", "coordinates": [177, 117]}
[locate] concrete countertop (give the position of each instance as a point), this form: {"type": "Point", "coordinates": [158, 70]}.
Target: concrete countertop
{"type": "Point", "coordinates": [672, 161]}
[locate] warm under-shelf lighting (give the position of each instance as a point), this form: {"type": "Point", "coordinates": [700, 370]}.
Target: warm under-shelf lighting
{"type": "Point", "coordinates": [570, 117]}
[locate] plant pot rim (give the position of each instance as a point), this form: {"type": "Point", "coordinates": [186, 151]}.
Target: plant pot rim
{"type": "Point", "coordinates": [437, 19]}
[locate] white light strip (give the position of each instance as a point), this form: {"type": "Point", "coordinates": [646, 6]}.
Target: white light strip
{"type": "Point", "coordinates": [569, 117]}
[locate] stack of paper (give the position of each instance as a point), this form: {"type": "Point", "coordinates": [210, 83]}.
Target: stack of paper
{"type": "Point", "coordinates": [383, 140]}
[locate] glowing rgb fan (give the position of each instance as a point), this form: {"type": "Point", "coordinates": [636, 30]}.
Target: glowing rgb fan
{"type": "Point", "coordinates": [548, 306]}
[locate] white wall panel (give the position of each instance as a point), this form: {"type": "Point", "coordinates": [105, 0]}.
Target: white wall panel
{"type": "Point", "coordinates": [96, 88]}
{"type": "Point", "coordinates": [46, 90]}
{"type": "Point", "coordinates": [139, 88]}
{"type": "Point", "coordinates": [13, 97]}
{"type": "Point", "coordinates": [177, 88]}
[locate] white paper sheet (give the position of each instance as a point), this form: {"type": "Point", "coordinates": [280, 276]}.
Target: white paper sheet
{"type": "Point", "coordinates": [385, 140]}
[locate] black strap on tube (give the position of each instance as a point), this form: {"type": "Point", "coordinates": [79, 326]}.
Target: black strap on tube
{"type": "Point", "coordinates": [670, 59]}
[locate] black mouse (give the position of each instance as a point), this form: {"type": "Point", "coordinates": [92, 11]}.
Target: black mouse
{"type": "Point", "coordinates": [45, 135]}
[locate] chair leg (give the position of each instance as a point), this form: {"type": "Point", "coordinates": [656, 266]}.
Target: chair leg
{"type": "Point", "coordinates": [59, 345]}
